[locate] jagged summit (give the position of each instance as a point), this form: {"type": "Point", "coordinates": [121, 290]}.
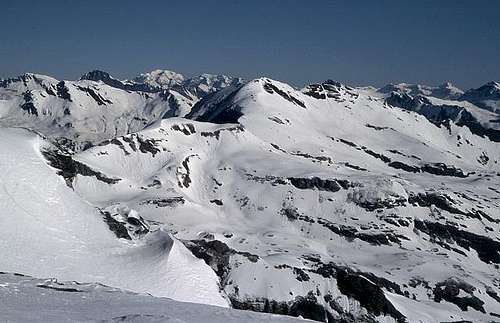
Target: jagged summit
{"type": "Point", "coordinates": [96, 75]}
{"type": "Point", "coordinates": [101, 76]}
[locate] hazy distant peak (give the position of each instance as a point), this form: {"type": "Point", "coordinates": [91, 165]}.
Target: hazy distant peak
{"type": "Point", "coordinates": [160, 78]}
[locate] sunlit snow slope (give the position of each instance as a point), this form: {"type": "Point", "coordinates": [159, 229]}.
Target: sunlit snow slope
{"type": "Point", "coordinates": [48, 231]}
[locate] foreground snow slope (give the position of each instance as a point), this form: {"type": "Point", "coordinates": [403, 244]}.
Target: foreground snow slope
{"type": "Point", "coordinates": [48, 231]}
{"type": "Point", "coordinates": [26, 299]}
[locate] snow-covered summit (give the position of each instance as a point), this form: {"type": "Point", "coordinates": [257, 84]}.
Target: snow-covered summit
{"type": "Point", "coordinates": [160, 78]}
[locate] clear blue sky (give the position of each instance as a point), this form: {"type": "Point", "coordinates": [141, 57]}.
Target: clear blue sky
{"type": "Point", "coordinates": [356, 42]}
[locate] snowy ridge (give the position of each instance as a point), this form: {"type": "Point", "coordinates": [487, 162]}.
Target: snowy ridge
{"type": "Point", "coordinates": [330, 203]}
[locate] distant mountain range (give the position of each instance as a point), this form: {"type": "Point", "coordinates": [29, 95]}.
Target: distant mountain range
{"type": "Point", "coordinates": [330, 202]}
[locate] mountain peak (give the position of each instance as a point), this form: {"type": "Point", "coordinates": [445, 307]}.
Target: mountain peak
{"type": "Point", "coordinates": [160, 78]}
{"type": "Point", "coordinates": [96, 75]}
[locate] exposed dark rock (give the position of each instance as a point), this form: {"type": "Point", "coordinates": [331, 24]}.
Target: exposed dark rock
{"type": "Point", "coordinates": [381, 204]}
{"type": "Point", "coordinates": [316, 91]}
{"type": "Point", "coordinates": [292, 214]}
{"type": "Point", "coordinates": [217, 202]}
{"type": "Point", "coordinates": [95, 95]}
{"type": "Point", "coordinates": [185, 179]}
{"type": "Point", "coordinates": [403, 166]}
{"type": "Point", "coordinates": [217, 133]}
{"type": "Point", "coordinates": [216, 254]}
{"type": "Point", "coordinates": [147, 146]}
{"type": "Point", "coordinates": [28, 104]}
{"type": "Point", "coordinates": [368, 294]}
{"type": "Point", "coordinates": [276, 119]}
{"type": "Point", "coordinates": [186, 128]}
{"type": "Point", "coordinates": [271, 88]}
{"type": "Point", "coordinates": [492, 294]}
{"type": "Point", "coordinates": [268, 178]}
{"type": "Point", "coordinates": [218, 107]}
{"type": "Point", "coordinates": [300, 274]}
{"type": "Point", "coordinates": [315, 158]}
{"type": "Point", "coordinates": [351, 233]}
{"type": "Point", "coordinates": [443, 202]}
{"type": "Point", "coordinates": [60, 289]}
{"type": "Point", "coordinates": [443, 170]}
{"type": "Point", "coordinates": [449, 291]}
{"type": "Point", "coordinates": [170, 202]}
{"type": "Point", "coordinates": [383, 158]}
{"type": "Point", "coordinates": [356, 167]}
{"type": "Point", "coordinates": [118, 228]}
{"type": "Point", "coordinates": [69, 168]}
{"type": "Point", "coordinates": [347, 142]}
{"type": "Point", "coordinates": [483, 159]}
{"type": "Point", "coordinates": [488, 250]}
{"type": "Point", "coordinates": [118, 143]}
{"type": "Point", "coordinates": [330, 89]}
{"type": "Point", "coordinates": [125, 224]}
{"type": "Point", "coordinates": [377, 127]}
{"type": "Point", "coordinates": [63, 92]}
{"type": "Point", "coordinates": [306, 306]}
{"type": "Point", "coordinates": [317, 183]}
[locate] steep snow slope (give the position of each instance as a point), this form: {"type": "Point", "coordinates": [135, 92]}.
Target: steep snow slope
{"type": "Point", "coordinates": [325, 199]}
{"type": "Point", "coordinates": [48, 231]}
{"type": "Point", "coordinates": [26, 299]}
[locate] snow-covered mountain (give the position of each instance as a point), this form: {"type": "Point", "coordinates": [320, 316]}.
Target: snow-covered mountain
{"type": "Point", "coordinates": [486, 96]}
{"type": "Point", "coordinates": [162, 79]}
{"type": "Point", "coordinates": [444, 91]}
{"type": "Point", "coordinates": [332, 203]}
{"type": "Point", "coordinates": [99, 107]}
{"type": "Point", "coordinates": [476, 109]}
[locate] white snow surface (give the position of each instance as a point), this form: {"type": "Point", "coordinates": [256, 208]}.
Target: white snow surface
{"type": "Point", "coordinates": [49, 300]}
{"type": "Point", "coordinates": [294, 183]}
{"type": "Point", "coordinates": [48, 231]}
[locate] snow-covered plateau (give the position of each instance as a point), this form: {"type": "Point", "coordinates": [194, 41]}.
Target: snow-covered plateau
{"type": "Point", "coordinates": [130, 200]}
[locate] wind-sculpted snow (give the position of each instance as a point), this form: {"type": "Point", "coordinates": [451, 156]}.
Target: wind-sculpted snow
{"type": "Point", "coordinates": [47, 230]}
{"type": "Point", "coordinates": [330, 203]}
